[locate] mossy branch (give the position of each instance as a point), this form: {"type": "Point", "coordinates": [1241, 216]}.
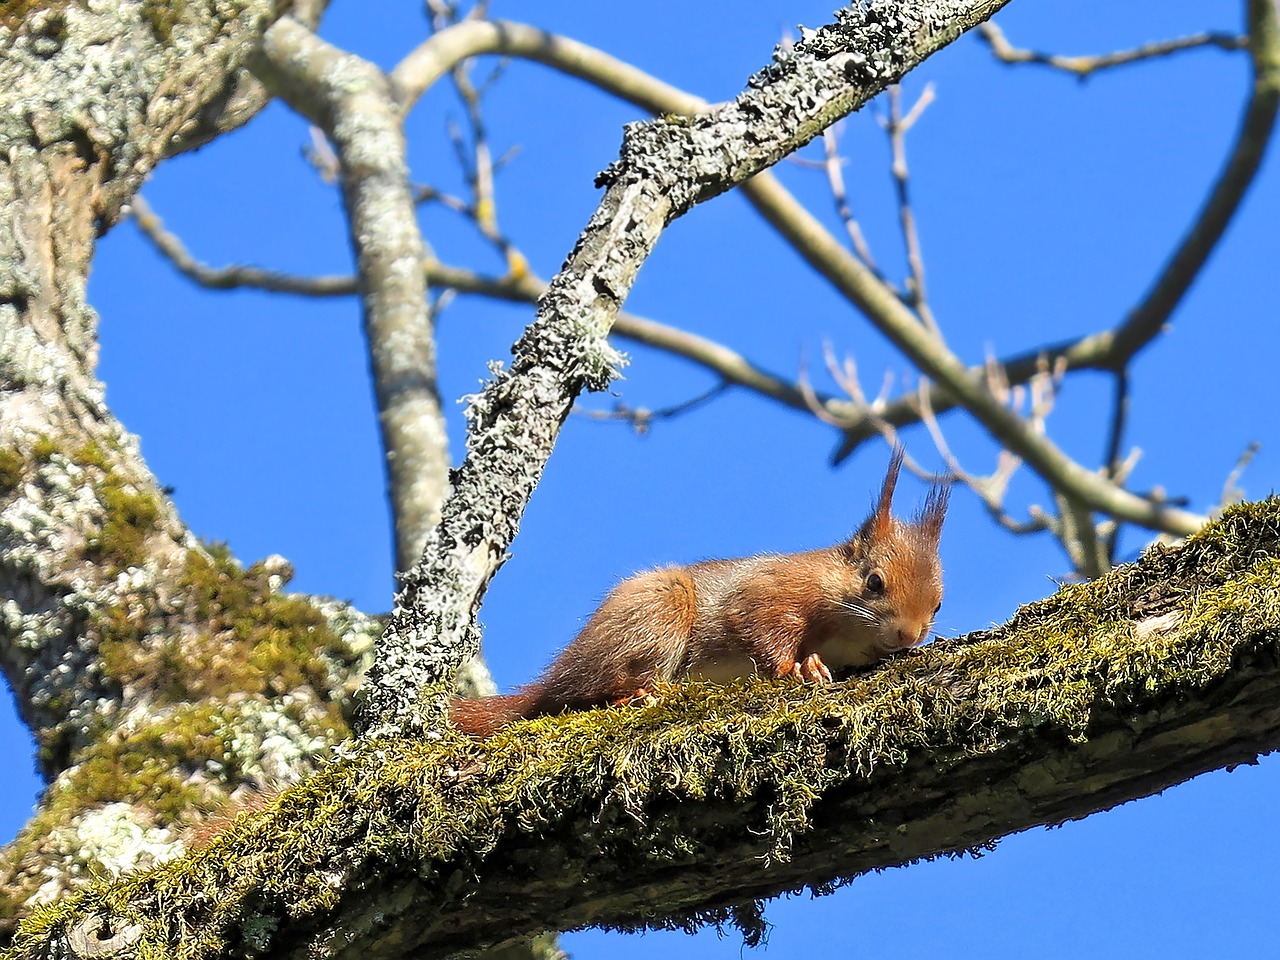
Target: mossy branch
{"type": "Point", "coordinates": [680, 811]}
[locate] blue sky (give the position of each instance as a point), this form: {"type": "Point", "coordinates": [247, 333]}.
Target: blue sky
{"type": "Point", "coordinates": [1045, 207]}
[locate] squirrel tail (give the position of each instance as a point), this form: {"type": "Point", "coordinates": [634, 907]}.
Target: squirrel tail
{"type": "Point", "coordinates": [483, 716]}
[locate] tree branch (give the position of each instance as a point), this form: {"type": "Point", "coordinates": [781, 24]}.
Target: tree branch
{"type": "Point", "coordinates": [1113, 349]}
{"type": "Point", "coordinates": [666, 167]}
{"type": "Point", "coordinates": [350, 99]}
{"type": "Point", "coordinates": [847, 274]}
{"type": "Point", "coordinates": [1086, 66]}
{"type": "Point", "coordinates": [727, 364]}
{"type": "Point", "coordinates": [1104, 350]}
{"type": "Point", "coordinates": [674, 812]}
{"type": "Point", "coordinates": [1147, 319]}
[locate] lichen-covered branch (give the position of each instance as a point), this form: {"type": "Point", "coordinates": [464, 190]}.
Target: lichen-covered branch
{"type": "Point", "coordinates": [688, 807]}
{"type": "Point", "coordinates": [666, 166]}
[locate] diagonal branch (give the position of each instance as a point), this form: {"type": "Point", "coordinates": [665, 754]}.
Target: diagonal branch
{"type": "Point", "coordinates": [666, 167]}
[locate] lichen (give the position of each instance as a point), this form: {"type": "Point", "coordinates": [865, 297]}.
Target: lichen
{"type": "Point", "coordinates": [234, 634]}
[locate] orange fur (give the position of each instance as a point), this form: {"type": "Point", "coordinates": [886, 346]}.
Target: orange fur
{"type": "Point", "coordinates": [801, 614]}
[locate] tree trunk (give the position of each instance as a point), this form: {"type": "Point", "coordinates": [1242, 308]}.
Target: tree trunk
{"type": "Point", "coordinates": [158, 677]}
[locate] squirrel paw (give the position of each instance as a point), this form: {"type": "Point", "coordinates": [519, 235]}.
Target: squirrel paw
{"type": "Point", "coordinates": [642, 695]}
{"type": "Point", "coordinates": [812, 670]}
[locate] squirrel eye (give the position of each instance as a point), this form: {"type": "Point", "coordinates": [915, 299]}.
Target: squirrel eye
{"type": "Point", "coordinates": [936, 609]}
{"type": "Point", "coordinates": [875, 583]}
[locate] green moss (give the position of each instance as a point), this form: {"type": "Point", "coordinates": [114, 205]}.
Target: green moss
{"type": "Point", "coordinates": [12, 468]}
{"type": "Point", "coordinates": [44, 448]}
{"type": "Point", "coordinates": [129, 518]}
{"type": "Point", "coordinates": [250, 639]}
{"type": "Point", "coordinates": [130, 515]}
{"type": "Point", "coordinates": [163, 16]}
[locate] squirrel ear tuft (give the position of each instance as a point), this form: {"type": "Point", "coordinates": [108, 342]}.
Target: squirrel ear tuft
{"type": "Point", "coordinates": [934, 512]}
{"type": "Point", "coordinates": [879, 525]}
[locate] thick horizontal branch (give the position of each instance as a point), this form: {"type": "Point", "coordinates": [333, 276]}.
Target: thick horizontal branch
{"type": "Point", "coordinates": [708, 797]}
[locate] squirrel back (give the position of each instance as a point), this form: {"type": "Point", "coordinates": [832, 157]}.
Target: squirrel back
{"type": "Point", "coordinates": [798, 614]}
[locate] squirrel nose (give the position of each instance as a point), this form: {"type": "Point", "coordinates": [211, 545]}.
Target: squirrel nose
{"type": "Point", "coordinates": [907, 639]}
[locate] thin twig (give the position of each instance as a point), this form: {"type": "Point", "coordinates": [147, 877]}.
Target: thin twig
{"type": "Point", "coordinates": [833, 166]}
{"type": "Point", "coordinates": [1085, 66]}
{"type": "Point", "coordinates": [897, 127]}
{"type": "Point", "coordinates": [1111, 458]}
{"type": "Point", "coordinates": [642, 419]}
{"type": "Point", "coordinates": [235, 276]}
{"type": "Point", "coordinates": [990, 490]}
{"type": "Point", "coordinates": [1231, 493]}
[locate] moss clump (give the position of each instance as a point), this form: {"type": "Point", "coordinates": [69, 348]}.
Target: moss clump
{"type": "Point", "coordinates": [162, 16]}
{"type": "Point", "coordinates": [152, 765]}
{"type": "Point", "coordinates": [230, 633]}
{"type": "Point", "coordinates": [44, 448]}
{"type": "Point", "coordinates": [12, 468]}
{"type": "Point", "coordinates": [130, 517]}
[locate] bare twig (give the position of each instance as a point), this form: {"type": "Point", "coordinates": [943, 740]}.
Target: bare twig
{"type": "Point", "coordinates": [233, 277]}
{"type": "Point", "coordinates": [954, 383]}
{"type": "Point", "coordinates": [990, 489]}
{"type": "Point", "coordinates": [1111, 458]}
{"type": "Point", "coordinates": [833, 166]}
{"type": "Point", "coordinates": [1084, 67]}
{"type": "Point", "coordinates": [1231, 493]}
{"type": "Point", "coordinates": [642, 419]}
{"type": "Point", "coordinates": [897, 127]}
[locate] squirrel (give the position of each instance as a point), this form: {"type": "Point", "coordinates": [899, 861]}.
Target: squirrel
{"type": "Point", "coordinates": [798, 614]}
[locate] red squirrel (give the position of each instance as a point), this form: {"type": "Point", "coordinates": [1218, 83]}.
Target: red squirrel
{"type": "Point", "coordinates": [799, 614]}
